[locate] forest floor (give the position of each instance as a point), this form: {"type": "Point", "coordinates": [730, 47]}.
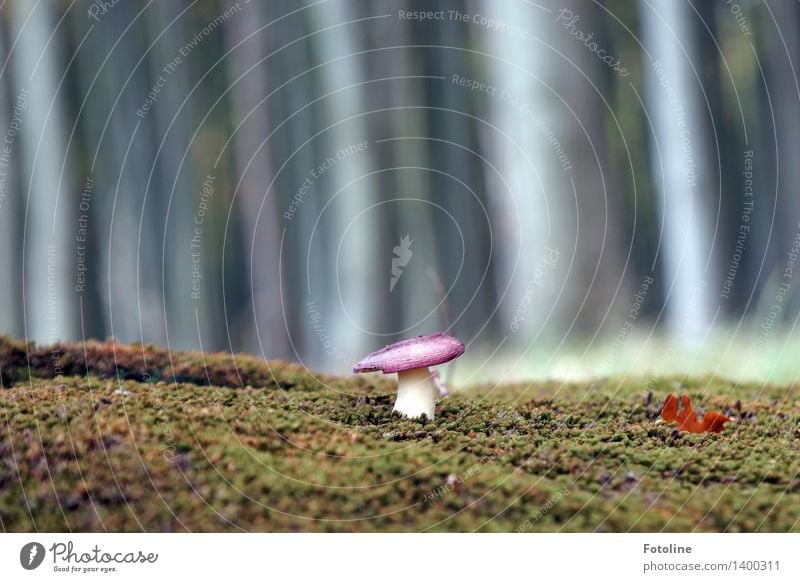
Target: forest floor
{"type": "Point", "coordinates": [132, 438]}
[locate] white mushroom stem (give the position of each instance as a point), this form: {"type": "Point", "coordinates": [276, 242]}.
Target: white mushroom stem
{"type": "Point", "coordinates": [416, 393]}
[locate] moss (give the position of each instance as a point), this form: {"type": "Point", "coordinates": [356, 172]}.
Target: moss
{"type": "Point", "coordinates": [134, 438]}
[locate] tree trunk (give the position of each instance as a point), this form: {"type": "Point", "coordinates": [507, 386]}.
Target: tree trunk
{"type": "Point", "coordinates": [50, 223]}
{"type": "Point", "coordinates": [530, 193]}
{"type": "Point", "coordinates": [352, 296]}
{"type": "Point", "coordinates": [11, 204]}
{"type": "Point", "coordinates": [674, 101]}
{"type": "Point", "coordinates": [258, 208]}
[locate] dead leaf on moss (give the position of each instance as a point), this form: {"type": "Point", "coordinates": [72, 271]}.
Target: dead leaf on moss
{"type": "Point", "coordinates": [686, 416]}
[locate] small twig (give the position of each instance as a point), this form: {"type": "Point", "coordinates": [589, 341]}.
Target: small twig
{"type": "Point", "coordinates": [437, 284]}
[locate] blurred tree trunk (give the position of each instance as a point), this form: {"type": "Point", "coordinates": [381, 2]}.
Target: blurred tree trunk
{"type": "Point", "coordinates": [751, 91]}
{"type": "Point", "coordinates": [352, 298]}
{"type": "Point", "coordinates": [600, 273]}
{"type": "Point", "coordinates": [781, 61]}
{"type": "Point", "coordinates": [674, 101]}
{"type": "Point", "coordinates": [461, 230]}
{"type": "Point", "coordinates": [120, 159]}
{"type": "Point", "coordinates": [258, 208]}
{"type": "Point", "coordinates": [630, 145]}
{"type": "Point", "coordinates": [10, 206]}
{"type": "Point", "coordinates": [50, 225]}
{"type": "Point", "coordinates": [296, 116]}
{"type": "Point", "coordinates": [529, 193]}
{"type": "Point", "coordinates": [727, 145]}
{"type": "Point", "coordinates": [174, 194]}
{"type": "Point", "coordinates": [404, 180]}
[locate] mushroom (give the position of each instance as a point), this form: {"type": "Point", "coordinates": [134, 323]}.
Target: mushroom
{"type": "Point", "coordinates": [410, 358]}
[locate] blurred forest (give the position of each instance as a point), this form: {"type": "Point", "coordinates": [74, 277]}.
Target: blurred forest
{"type": "Point", "coordinates": [572, 188]}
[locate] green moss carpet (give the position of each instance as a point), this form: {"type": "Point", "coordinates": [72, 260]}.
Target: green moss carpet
{"type": "Point", "coordinates": [134, 438]}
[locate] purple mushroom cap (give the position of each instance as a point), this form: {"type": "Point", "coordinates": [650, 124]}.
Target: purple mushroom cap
{"type": "Point", "coordinates": [416, 352]}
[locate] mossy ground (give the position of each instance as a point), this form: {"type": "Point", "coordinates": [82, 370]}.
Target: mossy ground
{"type": "Point", "coordinates": [135, 438]}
